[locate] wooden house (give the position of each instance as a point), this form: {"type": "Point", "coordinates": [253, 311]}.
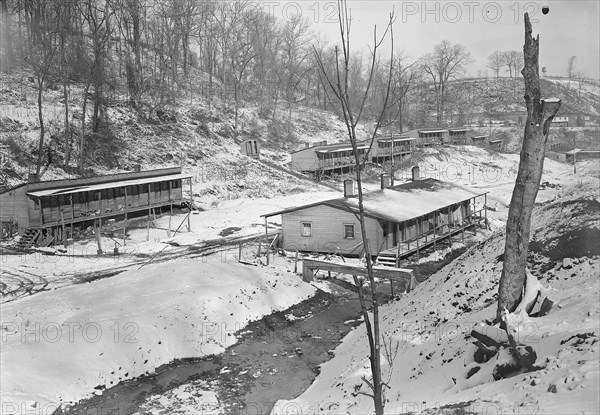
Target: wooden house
{"type": "Point", "coordinates": [57, 205]}
{"type": "Point", "coordinates": [459, 136]}
{"type": "Point", "coordinates": [431, 137]}
{"type": "Point", "coordinates": [496, 144]}
{"type": "Point", "coordinates": [250, 147]}
{"type": "Point", "coordinates": [325, 157]}
{"type": "Point", "coordinates": [479, 140]}
{"type": "Point", "coordinates": [560, 122]}
{"type": "Point", "coordinates": [400, 220]}
{"type": "Point", "coordinates": [400, 145]}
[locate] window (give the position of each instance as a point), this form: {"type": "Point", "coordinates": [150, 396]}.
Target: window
{"type": "Point", "coordinates": [306, 229]}
{"type": "Point", "coordinates": [349, 231]}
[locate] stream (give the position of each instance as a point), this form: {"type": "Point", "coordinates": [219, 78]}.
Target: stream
{"type": "Point", "coordinates": [277, 357]}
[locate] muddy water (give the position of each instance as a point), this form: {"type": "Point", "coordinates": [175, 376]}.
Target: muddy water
{"type": "Point", "coordinates": [275, 358]}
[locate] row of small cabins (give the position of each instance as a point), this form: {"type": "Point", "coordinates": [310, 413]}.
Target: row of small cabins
{"type": "Point", "coordinates": [323, 157]}
{"type": "Point", "coordinates": [400, 220]}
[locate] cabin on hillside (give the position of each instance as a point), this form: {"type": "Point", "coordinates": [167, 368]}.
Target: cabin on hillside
{"type": "Point", "coordinates": [431, 137]}
{"type": "Point", "coordinates": [327, 158]}
{"type": "Point", "coordinates": [400, 220]}
{"type": "Point", "coordinates": [560, 122]}
{"type": "Point", "coordinates": [53, 208]}
{"type": "Point", "coordinates": [250, 147]}
{"type": "Point", "coordinates": [479, 140]}
{"type": "Point", "coordinates": [459, 136]}
{"type": "Point", "coordinates": [400, 145]}
{"type": "Point", "coordinates": [496, 144]}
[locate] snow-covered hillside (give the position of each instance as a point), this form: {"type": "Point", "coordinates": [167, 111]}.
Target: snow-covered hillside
{"type": "Point", "coordinates": [435, 366]}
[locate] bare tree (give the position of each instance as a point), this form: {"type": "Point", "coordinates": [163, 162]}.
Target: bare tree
{"type": "Point", "coordinates": [98, 21]}
{"type": "Point", "coordinates": [44, 29]}
{"type": "Point", "coordinates": [513, 60]}
{"type": "Point", "coordinates": [447, 62]}
{"type": "Point", "coordinates": [5, 37]}
{"type": "Point", "coordinates": [295, 60]}
{"type": "Point", "coordinates": [496, 62]}
{"type": "Point", "coordinates": [571, 67]}
{"type": "Point", "coordinates": [351, 109]}
{"type": "Point", "coordinates": [539, 117]}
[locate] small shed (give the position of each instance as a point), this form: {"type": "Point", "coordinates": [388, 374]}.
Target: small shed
{"type": "Point", "coordinates": [250, 147]}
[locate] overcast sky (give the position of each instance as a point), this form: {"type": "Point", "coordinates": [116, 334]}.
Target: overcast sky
{"type": "Point", "coordinates": [570, 28]}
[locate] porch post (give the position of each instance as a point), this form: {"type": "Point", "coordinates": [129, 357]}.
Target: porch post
{"type": "Point", "coordinates": [485, 209]}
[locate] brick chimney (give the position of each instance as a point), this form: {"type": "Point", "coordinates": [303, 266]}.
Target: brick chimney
{"type": "Point", "coordinates": [137, 168]}
{"type": "Point", "coordinates": [415, 173]}
{"type": "Point", "coordinates": [385, 180]}
{"type": "Point", "coordinates": [32, 178]}
{"type": "Point", "coordinates": [349, 188]}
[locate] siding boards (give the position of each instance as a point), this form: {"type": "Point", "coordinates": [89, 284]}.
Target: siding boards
{"type": "Point", "coordinates": [15, 206]}
{"type": "Point", "coordinates": [305, 160]}
{"type": "Point", "coordinates": [328, 231]}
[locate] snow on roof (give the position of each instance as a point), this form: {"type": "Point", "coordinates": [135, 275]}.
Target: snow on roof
{"type": "Point", "coordinates": [337, 150]}
{"type": "Point", "coordinates": [574, 151]}
{"type": "Point", "coordinates": [109, 185]}
{"type": "Point", "coordinates": [397, 139]}
{"type": "Point", "coordinates": [495, 141]}
{"type": "Point", "coordinates": [431, 131]}
{"type": "Point", "coordinates": [400, 203]}
{"type": "Point", "coordinates": [479, 136]}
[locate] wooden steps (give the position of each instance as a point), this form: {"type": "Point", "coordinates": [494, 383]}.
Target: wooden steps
{"type": "Point", "coordinates": [29, 238]}
{"type": "Point", "coordinates": [386, 259]}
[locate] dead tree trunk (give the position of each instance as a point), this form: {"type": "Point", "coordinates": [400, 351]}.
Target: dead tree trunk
{"type": "Point", "coordinates": [539, 116]}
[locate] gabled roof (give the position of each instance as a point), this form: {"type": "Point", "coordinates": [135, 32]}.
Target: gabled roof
{"type": "Point", "coordinates": [399, 203]}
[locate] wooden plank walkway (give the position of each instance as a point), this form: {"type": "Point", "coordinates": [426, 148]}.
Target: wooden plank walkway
{"type": "Point", "coordinates": [403, 275]}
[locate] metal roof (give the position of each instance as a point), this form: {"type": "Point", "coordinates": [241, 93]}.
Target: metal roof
{"type": "Point", "coordinates": [398, 139]}
{"type": "Point", "coordinates": [431, 131]}
{"type": "Point", "coordinates": [399, 203]}
{"type": "Point", "coordinates": [337, 150]}
{"type": "Point", "coordinates": [109, 185]}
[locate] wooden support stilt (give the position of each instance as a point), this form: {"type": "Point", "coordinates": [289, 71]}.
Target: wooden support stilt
{"type": "Point", "coordinates": [169, 228]}
{"type": "Point", "coordinates": [240, 251]}
{"type": "Point", "coordinates": [307, 274]}
{"type": "Point", "coordinates": [434, 230]}
{"type": "Point", "coordinates": [392, 287]}
{"type": "Point", "coordinates": [64, 233]}
{"type": "Point", "coordinates": [485, 209]}
{"type": "Point", "coordinates": [98, 226]}
{"type": "Point", "coordinates": [259, 247]}
{"type": "Point", "coordinates": [296, 263]}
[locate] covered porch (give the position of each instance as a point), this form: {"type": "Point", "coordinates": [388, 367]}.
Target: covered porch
{"type": "Point", "coordinates": [411, 237]}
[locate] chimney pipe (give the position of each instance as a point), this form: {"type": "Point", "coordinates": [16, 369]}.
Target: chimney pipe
{"type": "Point", "coordinates": [349, 188]}
{"type": "Point", "coordinates": [415, 173]}
{"type": "Point", "coordinates": [385, 181]}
